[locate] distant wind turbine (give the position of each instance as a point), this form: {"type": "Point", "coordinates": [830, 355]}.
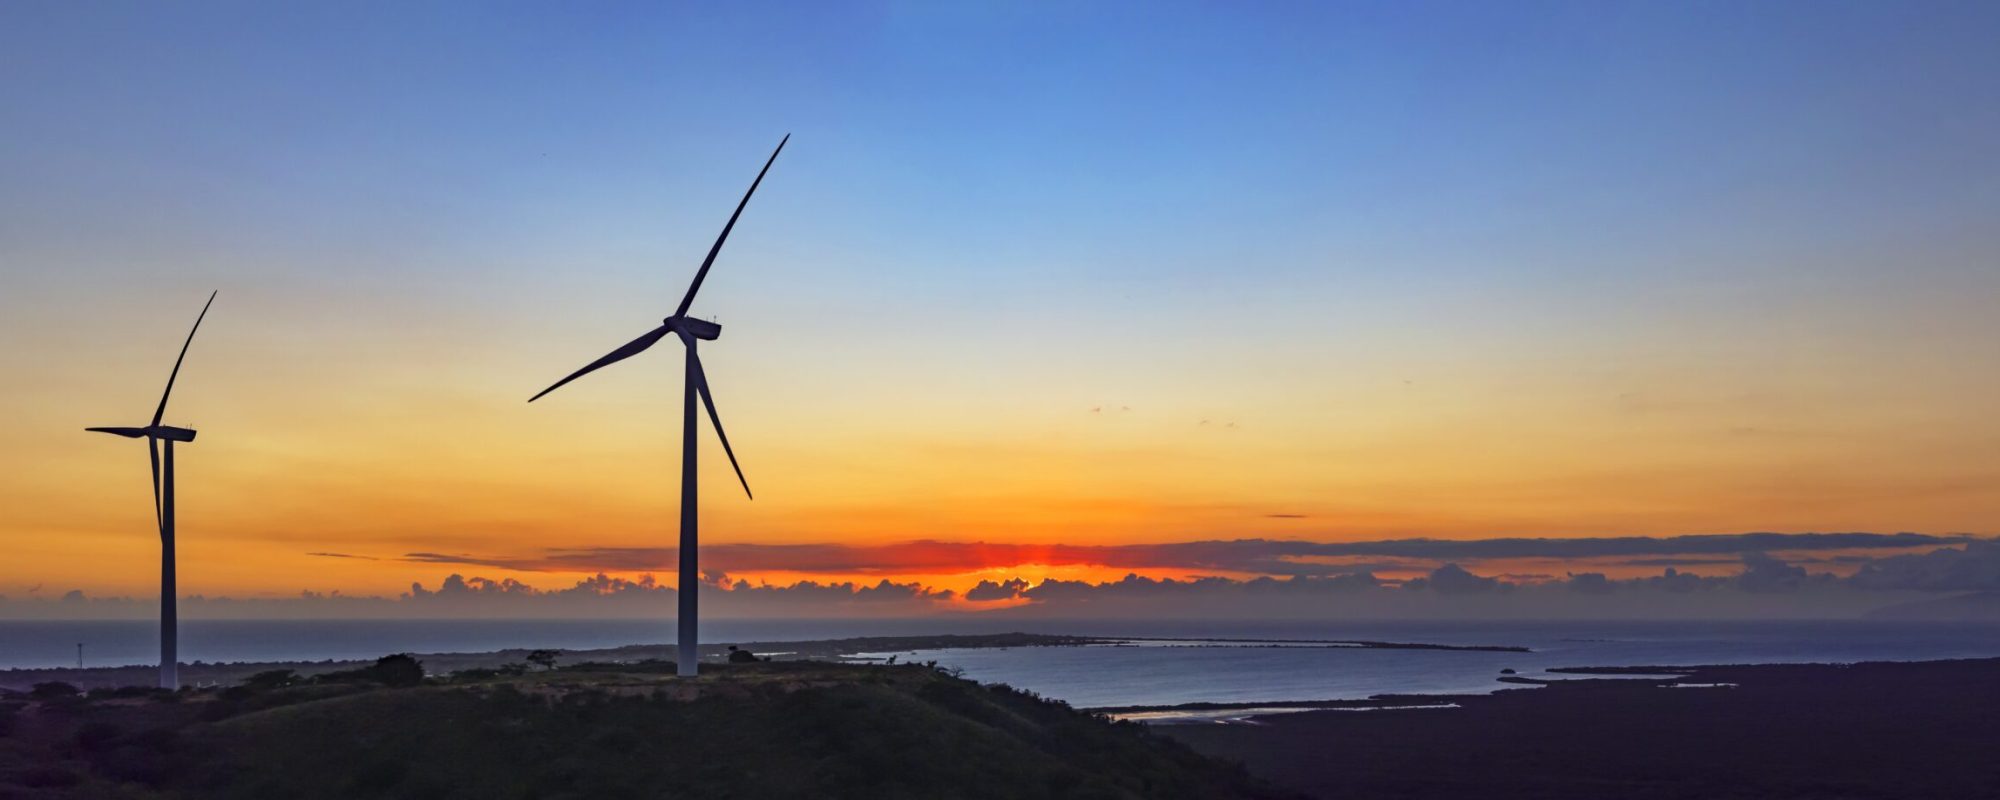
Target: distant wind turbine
{"type": "Point", "coordinates": [163, 509]}
{"type": "Point", "coordinates": [690, 330]}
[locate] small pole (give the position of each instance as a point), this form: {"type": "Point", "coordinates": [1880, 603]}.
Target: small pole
{"type": "Point", "coordinates": [79, 655]}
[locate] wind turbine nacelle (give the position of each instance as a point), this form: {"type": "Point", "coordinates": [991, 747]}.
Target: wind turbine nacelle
{"type": "Point", "coordinates": [171, 433]}
{"type": "Point", "coordinates": [697, 328]}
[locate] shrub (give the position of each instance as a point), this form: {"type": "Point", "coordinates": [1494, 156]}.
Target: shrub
{"type": "Point", "coordinates": [53, 690]}
{"type": "Point", "coordinates": [271, 679]}
{"type": "Point", "coordinates": [121, 691]}
{"type": "Point", "coordinates": [400, 669]}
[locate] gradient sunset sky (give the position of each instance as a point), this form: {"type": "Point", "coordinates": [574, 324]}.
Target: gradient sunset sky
{"type": "Point", "coordinates": [1089, 274]}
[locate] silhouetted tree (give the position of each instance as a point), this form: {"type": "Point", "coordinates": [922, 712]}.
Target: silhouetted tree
{"type": "Point", "coordinates": [546, 659]}
{"type": "Point", "coordinates": [741, 656]}
{"type": "Point", "coordinates": [401, 669]}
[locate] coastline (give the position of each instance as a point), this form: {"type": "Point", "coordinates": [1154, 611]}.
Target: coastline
{"type": "Point", "coordinates": [850, 649]}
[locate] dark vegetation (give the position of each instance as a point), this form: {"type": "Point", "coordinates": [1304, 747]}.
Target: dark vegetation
{"type": "Point", "coordinates": [401, 669]}
{"type": "Point", "coordinates": [1884, 730]}
{"type": "Point", "coordinates": [590, 730]}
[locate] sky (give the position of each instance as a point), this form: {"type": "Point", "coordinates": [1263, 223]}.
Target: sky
{"type": "Point", "coordinates": [1102, 275]}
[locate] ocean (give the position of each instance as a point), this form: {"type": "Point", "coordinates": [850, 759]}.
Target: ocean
{"type": "Point", "coordinates": [1082, 676]}
{"type": "Point", "coordinates": [1121, 676]}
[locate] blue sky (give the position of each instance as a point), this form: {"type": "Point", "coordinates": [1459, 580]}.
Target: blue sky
{"type": "Point", "coordinates": [1108, 142]}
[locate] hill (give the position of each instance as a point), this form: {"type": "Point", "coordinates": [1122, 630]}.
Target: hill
{"type": "Point", "coordinates": [786, 729]}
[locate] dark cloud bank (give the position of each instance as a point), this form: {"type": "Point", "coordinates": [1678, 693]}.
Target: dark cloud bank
{"type": "Point", "coordinates": [1764, 586]}
{"type": "Point", "coordinates": [1263, 556]}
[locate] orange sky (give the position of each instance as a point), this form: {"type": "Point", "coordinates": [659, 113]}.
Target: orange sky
{"type": "Point", "coordinates": [383, 448]}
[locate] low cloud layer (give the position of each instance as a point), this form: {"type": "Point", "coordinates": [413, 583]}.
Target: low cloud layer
{"type": "Point", "coordinates": [1764, 586]}
{"type": "Point", "coordinates": [1259, 556]}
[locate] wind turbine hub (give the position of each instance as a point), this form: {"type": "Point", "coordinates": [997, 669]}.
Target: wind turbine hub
{"type": "Point", "coordinates": [171, 433]}
{"type": "Point", "coordinates": [698, 328]}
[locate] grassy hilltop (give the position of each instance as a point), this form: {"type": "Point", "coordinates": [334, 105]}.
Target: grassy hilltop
{"type": "Point", "coordinates": [785, 729]}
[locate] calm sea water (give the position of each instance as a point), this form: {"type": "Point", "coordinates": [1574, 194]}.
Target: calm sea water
{"type": "Point", "coordinates": [1089, 676]}
{"type": "Point", "coordinates": [1118, 676]}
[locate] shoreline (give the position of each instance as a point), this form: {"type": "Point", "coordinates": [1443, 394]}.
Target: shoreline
{"type": "Point", "coordinates": [1693, 676]}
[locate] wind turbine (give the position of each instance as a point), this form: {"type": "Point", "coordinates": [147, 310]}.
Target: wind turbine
{"type": "Point", "coordinates": [163, 508]}
{"type": "Point", "coordinates": [690, 330]}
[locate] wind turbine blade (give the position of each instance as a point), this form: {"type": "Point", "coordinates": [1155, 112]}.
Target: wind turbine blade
{"type": "Point", "coordinates": [129, 433]}
{"type": "Point", "coordinates": [701, 385]}
{"type": "Point", "coordinates": [162, 410]}
{"type": "Point", "coordinates": [630, 349]}
{"type": "Point", "coordinates": [153, 449]}
{"type": "Point", "coordinates": [717, 248]}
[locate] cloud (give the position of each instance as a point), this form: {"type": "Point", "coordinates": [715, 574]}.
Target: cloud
{"type": "Point", "coordinates": [1762, 573]}
{"type": "Point", "coordinates": [344, 555]}
{"type": "Point", "coordinates": [1134, 587]}
{"type": "Point", "coordinates": [1453, 579]}
{"type": "Point", "coordinates": [1262, 556]}
{"type": "Point", "coordinates": [1765, 587]}
{"type": "Point", "coordinates": [1681, 582]}
{"type": "Point", "coordinates": [1004, 590]}
{"type": "Point", "coordinates": [1678, 562]}
{"type": "Point", "coordinates": [1976, 567]}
